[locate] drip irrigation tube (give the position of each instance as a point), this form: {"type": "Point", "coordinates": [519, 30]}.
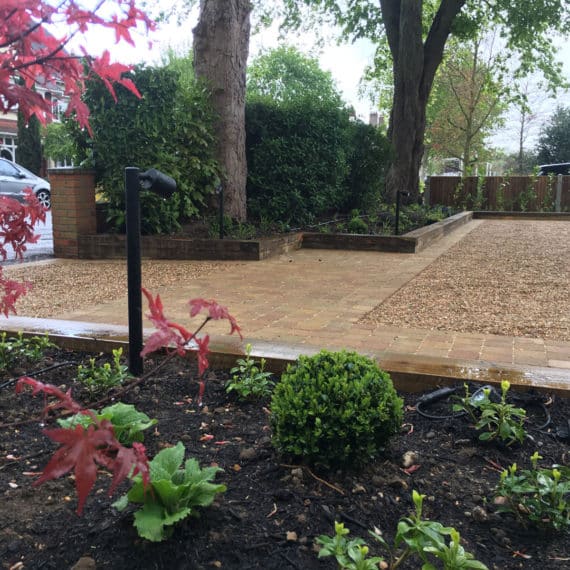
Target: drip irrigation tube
{"type": "Point", "coordinates": [34, 373]}
{"type": "Point", "coordinates": [444, 393]}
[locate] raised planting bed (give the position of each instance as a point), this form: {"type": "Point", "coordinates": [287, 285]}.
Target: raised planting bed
{"type": "Point", "coordinates": [274, 508]}
{"type": "Point", "coordinates": [498, 215]}
{"type": "Point", "coordinates": [412, 242]}
{"type": "Point", "coordinates": [109, 246]}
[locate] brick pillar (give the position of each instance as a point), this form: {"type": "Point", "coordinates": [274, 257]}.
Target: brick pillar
{"type": "Point", "coordinates": [72, 207]}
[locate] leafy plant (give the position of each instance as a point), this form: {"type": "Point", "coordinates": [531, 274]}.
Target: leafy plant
{"type": "Point", "coordinates": [497, 420]}
{"type": "Point", "coordinates": [83, 448]}
{"type": "Point", "coordinates": [334, 408]}
{"type": "Point", "coordinates": [100, 378]}
{"type": "Point", "coordinates": [174, 495]}
{"type": "Point", "coordinates": [85, 445]}
{"type": "Point", "coordinates": [414, 536]}
{"type": "Point", "coordinates": [128, 423]}
{"type": "Point", "coordinates": [249, 380]}
{"type": "Point", "coordinates": [350, 554]}
{"type": "Point", "coordinates": [538, 495]}
{"type": "Point", "coordinates": [14, 349]}
{"type": "Point", "coordinates": [357, 226]}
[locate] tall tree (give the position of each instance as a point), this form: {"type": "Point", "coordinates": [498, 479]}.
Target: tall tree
{"type": "Point", "coordinates": [221, 48]}
{"type": "Point", "coordinates": [554, 140]}
{"type": "Point", "coordinates": [416, 33]}
{"type": "Point", "coordinates": [29, 151]}
{"type": "Point", "coordinates": [467, 102]}
{"type": "Point", "coordinates": [285, 75]}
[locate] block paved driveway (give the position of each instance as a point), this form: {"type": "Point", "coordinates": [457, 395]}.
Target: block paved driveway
{"type": "Point", "coordinates": [315, 298]}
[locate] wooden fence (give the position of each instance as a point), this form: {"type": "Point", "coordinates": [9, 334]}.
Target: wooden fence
{"type": "Point", "coordinates": [508, 193]}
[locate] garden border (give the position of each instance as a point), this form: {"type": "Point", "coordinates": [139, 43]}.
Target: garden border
{"type": "Point", "coordinates": [410, 373]}
{"type": "Point", "coordinates": [110, 246]}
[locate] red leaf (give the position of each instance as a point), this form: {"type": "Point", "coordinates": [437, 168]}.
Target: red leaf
{"type": "Point", "coordinates": [78, 451]}
{"type": "Point", "coordinates": [215, 312]}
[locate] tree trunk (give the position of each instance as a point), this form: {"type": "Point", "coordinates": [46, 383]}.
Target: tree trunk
{"type": "Point", "coordinates": [221, 47]}
{"type": "Point", "coordinates": [415, 63]}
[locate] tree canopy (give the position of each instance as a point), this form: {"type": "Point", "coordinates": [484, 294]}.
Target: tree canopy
{"type": "Point", "coordinates": [285, 74]}
{"type": "Point", "coordinates": [411, 37]}
{"type": "Point", "coordinates": [554, 140]}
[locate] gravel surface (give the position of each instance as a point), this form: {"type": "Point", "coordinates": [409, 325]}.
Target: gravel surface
{"type": "Point", "coordinates": [506, 278]}
{"type": "Point", "coordinates": [68, 285]}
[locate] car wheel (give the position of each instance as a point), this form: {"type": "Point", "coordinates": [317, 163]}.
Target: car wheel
{"type": "Point", "coordinates": [44, 198]}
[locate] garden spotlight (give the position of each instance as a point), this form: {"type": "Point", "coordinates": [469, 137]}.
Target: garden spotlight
{"type": "Point", "coordinates": [163, 185]}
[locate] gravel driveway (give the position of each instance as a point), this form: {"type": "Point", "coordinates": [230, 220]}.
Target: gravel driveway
{"type": "Point", "coordinates": [505, 277]}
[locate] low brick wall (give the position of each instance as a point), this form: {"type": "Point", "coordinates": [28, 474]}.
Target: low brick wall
{"type": "Point", "coordinates": [412, 242]}
{"type": "Point", "coordinates": [111, 246]}
{"type": "Point", "coordinates": [553, 216]}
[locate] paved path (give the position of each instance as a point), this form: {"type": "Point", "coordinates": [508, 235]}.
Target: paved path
{"type": "Point", "coordinates": [315, 298]}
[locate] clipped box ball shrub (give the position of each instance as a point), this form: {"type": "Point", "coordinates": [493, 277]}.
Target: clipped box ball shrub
{"type": "Point", "coordinates": [334, 409]}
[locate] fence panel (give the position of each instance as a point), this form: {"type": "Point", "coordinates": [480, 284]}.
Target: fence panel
{"type": "Point", "coordinates": [508, 193]}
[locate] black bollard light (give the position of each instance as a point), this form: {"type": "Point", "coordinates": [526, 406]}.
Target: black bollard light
{"type": "Point", "coordinates": [164, 186]}
{"type": "Point", "coordinates": [220, 193]}
{"type": "Point", "coordinates": [397, 224]}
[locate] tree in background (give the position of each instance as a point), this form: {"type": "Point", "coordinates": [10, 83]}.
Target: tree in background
{"type": "Point", "coordinates": [554, 140]}
{"type": "Point", "coordinates": [467, 103]}
{"type": "Point", "coordinates": [29, 152]}
{"type": "Point", "coordinates": [286, 75]}
{"type": "Point", "coordinates": [221, 48]}
{"type": "Point", "coordinates": [411, 36]}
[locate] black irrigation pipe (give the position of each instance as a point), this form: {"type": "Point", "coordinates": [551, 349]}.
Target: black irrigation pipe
{"type": "Point", "coordinates": [34, 373]}
{"type": "Point", "coordinates": [446, 392]}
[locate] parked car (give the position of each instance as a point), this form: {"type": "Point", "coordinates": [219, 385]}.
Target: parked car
{"type": "Point", "coordinates": [560, 168]}
{"type": "Point", "coordinates": [14, 178]}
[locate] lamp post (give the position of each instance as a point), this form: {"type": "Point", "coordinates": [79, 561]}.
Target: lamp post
{"type": "Point", "coordinates": [164, 186]}
{"type": "Point", "coordinates": [220, 193]}
{"type": "Point", "coordinates": [397, 224]}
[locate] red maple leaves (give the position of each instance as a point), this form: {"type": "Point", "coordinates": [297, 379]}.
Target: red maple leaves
{"type": "Point", "coordinates": [83, 449]}
{"type": "Point", "coordinates": [16, 230]}
{"type": "Point", "coordinates": [171, 334]}
{"type": "Point", "coordinates": [31, 53]}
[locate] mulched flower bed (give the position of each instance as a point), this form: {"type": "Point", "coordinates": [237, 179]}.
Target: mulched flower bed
{"type": "Point", "coordinates": [273, 509]}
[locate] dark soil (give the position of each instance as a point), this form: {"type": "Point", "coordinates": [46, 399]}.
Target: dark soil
{"type": "Point", "coordinates": [272, 510]}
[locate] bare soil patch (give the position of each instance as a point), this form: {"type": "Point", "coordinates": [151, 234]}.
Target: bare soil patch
{"type": "Point", "coordinates": [505, 278]}
{"type": "Point", "coordinates": [272, 510]}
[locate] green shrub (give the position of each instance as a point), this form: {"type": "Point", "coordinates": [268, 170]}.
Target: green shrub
{"type": "Point", "coordinates": [369, 156]}
{"type": "Point", "coordinates": [540, 496]}
{"type": "Point", "coordinates": [334, 408]}
{"type": "Point", "coordinates": [297, 160]}
{"type": "Point", "coordinates": [249, 378]}
{"type": "Point", "coordinates": [170, 128]}
{"type": "Point", "coordinates": [357, 226]}
{"type": "Point", "coordinates": [100, 378]}
{"type": "Point", "coordinates": [20, 349]}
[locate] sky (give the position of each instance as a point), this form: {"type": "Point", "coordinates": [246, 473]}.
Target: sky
{"type": "Point", "coordinates": [346, 63]}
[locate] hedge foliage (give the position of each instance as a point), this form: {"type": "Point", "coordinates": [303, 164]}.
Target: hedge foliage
{"type": "Point", "coordinates": [334, 409]}
{"type": "Point", "coordinates": [169, 128]}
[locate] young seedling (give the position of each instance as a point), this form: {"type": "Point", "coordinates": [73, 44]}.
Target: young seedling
{"type": "Point", "coordinates": [540, 496]}
{"type": "Point", "coordinates": [496, 420]}
{"type": "Point", "coordinates": [249, 379]}
{"type": "Point", "coordinates": [414, 537]}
